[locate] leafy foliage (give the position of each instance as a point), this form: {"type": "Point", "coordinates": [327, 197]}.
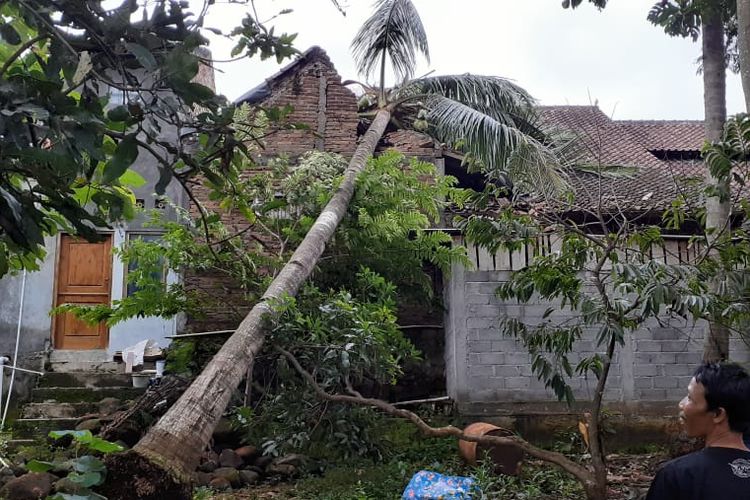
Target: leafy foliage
{"type": "Point", "coordinates": [345, 338]}
{"type": "Point", "coordinates": [410, 452]}
{"type": "Point", "coordinates": [607, 286]}
{"type": "Point", "coordinates": [387, 226]}
{"type": "Point", "coordinates": [84, 471]}
{"type": "Point", "coordinates": [385, 229]}
{"type": "Point", "coordinates": [684, 17]}
{"type": "Point", "coordinates": [66, 145]}
{"type": "Point", "coordinates": [343, 325]}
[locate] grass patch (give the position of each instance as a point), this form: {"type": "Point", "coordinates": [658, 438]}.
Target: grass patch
{"type": "Point", "coordinates": [388, 480]}
{"type": "Point", "coordinates": [408, 453]}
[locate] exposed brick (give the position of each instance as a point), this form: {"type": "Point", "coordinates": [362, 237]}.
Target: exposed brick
{"type": "Point", "coordinates": [479, 346]}
{"type": "Point", "coordinates": [678, 369]}
{"type": "Point", "coordinates": [666, 382]}
{"type": "Point", "coordinates": [476, 287]}
{"type": "Point", "coordinates": [483, 311]}
{"type": "Point", "coordinates": [484, 323]}
{"type": "Point", "coordinates": [517, 358]}
{"type": "Point", "coordinates": [674, 346]}
{"type": "Point", "coordinates": [689, 358]}
{"type": "Point", "coordinates": [478, 299]}
{"type": "Point", "coordinates": [648, 346]}
{"type": "Point", "coordinates": [505, 344]}
{"type": "Point", "coordinates": [644, 370]}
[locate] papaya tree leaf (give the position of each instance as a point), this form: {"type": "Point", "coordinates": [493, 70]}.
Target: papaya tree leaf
{"type": "Point", "coordinates": [132, 179]}
{"type": "Point", "coordinates": [80, 436]}
{"type": "Point", "coordinates": [99, 444]}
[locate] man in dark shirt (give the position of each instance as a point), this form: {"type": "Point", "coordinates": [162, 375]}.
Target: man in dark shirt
{"type": "Point", "coordinates": [717, 408]}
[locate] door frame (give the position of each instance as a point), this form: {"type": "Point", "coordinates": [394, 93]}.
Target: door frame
{"type": "Point", "coordinates": [58, 252]}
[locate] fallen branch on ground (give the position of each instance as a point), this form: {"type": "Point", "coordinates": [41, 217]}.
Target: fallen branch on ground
{"type": "Point", "coordinates": [581, 473]}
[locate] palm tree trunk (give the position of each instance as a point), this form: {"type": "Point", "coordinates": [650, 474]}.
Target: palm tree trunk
{"type": "Point", "coordinates": [178, 439]}
{"type": "Point", "coordinates": [743, 42]}
{"type": "Point", "coordinates": [716, 346]}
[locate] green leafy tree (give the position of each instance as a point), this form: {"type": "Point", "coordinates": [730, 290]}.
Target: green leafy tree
{"type": "Point", "coordinates": [602, 284]}
{"type": "Point", "coordinates": [715, 23]}
{"type": "Point", "coordinates": [348, 338]}
{"type": "Point", "coordinates": [64, 151]}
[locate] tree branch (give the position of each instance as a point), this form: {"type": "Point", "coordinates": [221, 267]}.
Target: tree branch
{"type": "Point", "coordinates": [581, 473]}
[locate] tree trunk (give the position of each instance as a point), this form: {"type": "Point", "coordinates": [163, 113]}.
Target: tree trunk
{"type": "Point", "coordinates": [716, 346]}
{"type": "Point", "coordinates": [177, 440]}
{"type": "Point", "coordinates": [743, 43]}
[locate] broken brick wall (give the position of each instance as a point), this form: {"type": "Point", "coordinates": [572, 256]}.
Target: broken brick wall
{"type": "Point", "coordinates": [328, 111]}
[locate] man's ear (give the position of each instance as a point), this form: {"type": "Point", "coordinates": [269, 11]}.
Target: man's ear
{"type": "Point", "coordinates": [721, 415]}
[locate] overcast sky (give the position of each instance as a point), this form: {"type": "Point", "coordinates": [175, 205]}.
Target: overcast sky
{"type": "Point", "coordinates": [615, 57]}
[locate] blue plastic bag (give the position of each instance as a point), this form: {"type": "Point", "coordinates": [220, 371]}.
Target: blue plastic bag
{"type": "Point", "coordinates": [426, 485]}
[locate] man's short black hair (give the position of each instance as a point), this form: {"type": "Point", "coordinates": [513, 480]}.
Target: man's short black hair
{"type": "Point", "coordinates": [727, 386]}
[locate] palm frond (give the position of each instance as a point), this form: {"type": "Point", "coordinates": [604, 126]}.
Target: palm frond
{"type": "Point", "coordinates": [494, 96]}
{"type": "Point", "coordinates": [394, 29]}
{"type": "Point", "coordinates": [500, 146]}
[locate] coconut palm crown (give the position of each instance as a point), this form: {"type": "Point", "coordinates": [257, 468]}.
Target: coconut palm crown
{"type": "Point", "coordinates": [489, 118]}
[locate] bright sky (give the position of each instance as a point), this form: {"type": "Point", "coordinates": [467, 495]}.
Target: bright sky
{"type": "Point", "coordinates": [614, 57]}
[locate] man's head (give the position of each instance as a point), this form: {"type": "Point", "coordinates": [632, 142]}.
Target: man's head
{"type": "Point", "coordinates": [718, 398]}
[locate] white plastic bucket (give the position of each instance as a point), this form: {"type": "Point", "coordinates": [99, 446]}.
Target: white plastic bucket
{"type": "Point", "coordinates": [140, 380]}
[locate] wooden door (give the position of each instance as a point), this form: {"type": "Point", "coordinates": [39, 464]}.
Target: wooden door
{"type": "Point", "coordinates": [83, 277]}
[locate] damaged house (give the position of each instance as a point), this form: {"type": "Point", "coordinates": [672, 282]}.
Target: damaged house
{"type": "Point", "coordinates": [466, 355]}
{"type": "Point", "coordinates": [482, 370]}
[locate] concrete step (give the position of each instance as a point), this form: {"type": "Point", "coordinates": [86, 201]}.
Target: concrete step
{"type": "Point", "coordinates": [58, 410]}
{"type": "Point", "coordinates": [39, 428]}
{"type": "Point", "coordinates": [83, 394]}
{"type": "Point", "coordinates": [85, 379]}
{"type": "Point", "coordinates": [98, 360]}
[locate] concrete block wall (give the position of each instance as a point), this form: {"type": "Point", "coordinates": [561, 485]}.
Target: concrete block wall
{"type": "Point", "coordinates": [483, 365]}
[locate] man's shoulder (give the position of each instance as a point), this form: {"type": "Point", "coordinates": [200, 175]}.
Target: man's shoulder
{"type": "Point", "coordinates": [699, 458]}
{"type": "Point", "coordinates": [694, 459]}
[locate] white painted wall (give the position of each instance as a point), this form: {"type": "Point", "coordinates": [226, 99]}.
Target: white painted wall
{"type": "Point", "coordinates": [38, 297]}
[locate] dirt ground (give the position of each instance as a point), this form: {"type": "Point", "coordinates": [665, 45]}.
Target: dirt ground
{"type": "Point", "coordinates": [630, 475]}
